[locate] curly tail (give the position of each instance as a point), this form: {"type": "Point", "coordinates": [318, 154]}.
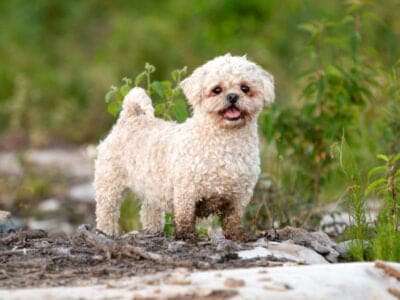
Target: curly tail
{"type": "Point", "coordinates": [136, 102]}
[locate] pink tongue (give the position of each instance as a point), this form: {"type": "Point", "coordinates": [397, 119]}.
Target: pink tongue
{"type": "Point", "coordinates": [232, 113]}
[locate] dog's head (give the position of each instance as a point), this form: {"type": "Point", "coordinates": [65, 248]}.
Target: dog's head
{"type": "Point", "coordinates": [230, 90]}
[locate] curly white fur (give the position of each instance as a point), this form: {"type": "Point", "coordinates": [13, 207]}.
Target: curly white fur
{"type": "Point", "coordinates": [209, 164]}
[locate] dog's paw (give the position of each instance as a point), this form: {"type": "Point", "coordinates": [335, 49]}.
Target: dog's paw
{"type": "Point", "coordinates": [240, 235]}
{"type": "Point", "coordinates": [186, 235]}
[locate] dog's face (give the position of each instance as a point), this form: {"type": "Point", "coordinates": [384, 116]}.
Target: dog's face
{"type": "Point", "coordinates": [230, 90]}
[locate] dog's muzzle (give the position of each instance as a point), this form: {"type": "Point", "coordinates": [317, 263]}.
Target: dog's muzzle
{"type": "Point", "coordinates": [232, 113]}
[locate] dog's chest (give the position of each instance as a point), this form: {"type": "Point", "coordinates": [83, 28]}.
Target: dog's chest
{"type": "Point", "coordinates": [229, 169]}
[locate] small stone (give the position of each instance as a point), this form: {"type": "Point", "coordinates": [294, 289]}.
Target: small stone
{"type": "Point", "coordinates": [11, 223]}
{"type": "Point", "coordinates": [227, 246]}
{"type": "Point", "coordinates": [4, 215]}
{"type": "Point", "coordinates": [216, 258]}
{"type": "Point", "coordinates": [332, 256]}
{"type": "Point", "coordinates": [176, 246]}
{"type": "Point", "coordinates": [233, 283]}
{"type": "Point", "coordinates": [276, 287]}
{"type": "Point", "coordinates": [82, 192]}
{"type": "Point", "coordinates": [321, 249]}
{"type": "Point", "coordinates": [48, 205]}
{"type": "Point", "coordinates": [179, 279]}
{"type": "Point", "coordinates": [264, 279]}
{"type": "Point", "coordinates": [9, 164]}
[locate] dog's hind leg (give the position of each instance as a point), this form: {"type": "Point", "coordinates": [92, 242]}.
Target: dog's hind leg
{"type": "Point", "coordinates": [109, 188]}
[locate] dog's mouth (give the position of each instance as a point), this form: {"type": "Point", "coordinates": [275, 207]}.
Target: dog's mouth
{"type": "Point", "coordinates": [232, 113]}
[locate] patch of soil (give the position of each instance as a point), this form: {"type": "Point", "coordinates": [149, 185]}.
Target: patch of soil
{"type": "Point", "coordinates": [33, 258]}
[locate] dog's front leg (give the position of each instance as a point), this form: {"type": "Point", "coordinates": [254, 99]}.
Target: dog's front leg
{"type": "Point", "coordinates": [232, 223]}
{"type": "Point", "coordinates": [184, 212]}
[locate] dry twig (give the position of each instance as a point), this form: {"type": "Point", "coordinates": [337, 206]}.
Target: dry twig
{"type": "Point", "coordinates": [120, 248]}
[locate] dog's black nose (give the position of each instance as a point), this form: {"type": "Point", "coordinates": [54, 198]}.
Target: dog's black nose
{"type": "Point", "coordinates": [232, 98]}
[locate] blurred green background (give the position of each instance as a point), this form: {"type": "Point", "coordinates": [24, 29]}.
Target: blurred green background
{"type": "Point", "coordinates": [336, 69]}
{"type": "Point", "coordinates": [58, 58]}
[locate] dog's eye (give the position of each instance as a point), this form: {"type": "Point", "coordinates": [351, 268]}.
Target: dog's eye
{"type": "Point", "coordinates": [245, 89]}
{"type": "Point", "coordinates": [217, 90]}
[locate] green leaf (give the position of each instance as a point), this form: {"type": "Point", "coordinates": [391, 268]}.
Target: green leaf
{"type": "Point", "coordinates": [159, 109]}
{"type": "Point", "coordinates": [127, 81]}
{"type": "Point", "coordinates": [159, 88]}
{"type": "Point", "coordinates": [175, 75]}
{"type": "Point", "coordinates": [396, 158]}
{"type": "Point", "coordinates": [375, 186]}
{"type": "Point", "coordinates": [375, 171]}
{"type": "Point", "coordinates": [202, 231]}
{"type": "Point", "coordinates": [139, 78]}
{"type": "Point", "coordinates": [162, 88]}
{"type": "Point", "coordinates": [308, 27]}
{"type": "Point", "coordinates": [179, 110]}
{"type": "Point", "coordinates": [109, 96]}
{"type": "Point", "coordinates": [383, 157]}
{"type": "Point", "coordinates": [169, 224]}
{"type": "Point", "coordinates": [114, 108]}
{"type": "Point", "coordinates": [124, 90]}
{"type": "Point", "coordinates": [149, 68]}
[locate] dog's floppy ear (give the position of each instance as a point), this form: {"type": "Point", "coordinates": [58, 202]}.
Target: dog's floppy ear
{"type": "Point", "coordinates": [268, 87]}
{"type": "Point", "coordinates": [192, 86]}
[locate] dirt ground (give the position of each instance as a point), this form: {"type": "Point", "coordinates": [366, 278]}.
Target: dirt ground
{"type": "Point", "coordinates": [33, 258]}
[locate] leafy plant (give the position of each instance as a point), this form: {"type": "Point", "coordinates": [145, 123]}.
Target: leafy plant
{"type": "Point", "coordinates": [385, 183]}
{"type": "Point", "coordinates": [381, 239]}
{"type": "Point", "coordinates": [355, 202]}
{"type": "Point", "coordinates": [339, 82]}
{"type": "Point", "coordinates": [129, 218]}
{"type": "Point", "coordinates": [169, 226]}
{"type": "Point", "coordinates": [167, 94]}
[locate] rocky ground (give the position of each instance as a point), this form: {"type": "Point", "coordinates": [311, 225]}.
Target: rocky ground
{"type": "Point", "coordinates": [46, 194]}
{"type": "Point", "coordinates": [90, 265]}
{"type": "Point", "coordinates": [34, 258]}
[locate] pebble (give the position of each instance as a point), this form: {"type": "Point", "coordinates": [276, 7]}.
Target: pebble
{"type": "Point", "coordinates": [233, 283]}
{"type": "Point", "coordinates": [51, 204]}
{"type": "Point", "coordinates": [176, 246]}
{"type": "Point", "coordinates": [83, 192]}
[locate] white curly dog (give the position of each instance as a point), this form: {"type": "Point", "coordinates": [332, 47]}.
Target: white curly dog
{"type": "Point", "coordinates": [207, 165]}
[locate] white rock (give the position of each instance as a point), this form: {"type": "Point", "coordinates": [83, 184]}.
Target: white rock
{"type": "Point", "coordinates": [335, 221]}
{"type": "Point", "coordinates": [4, 215]}
{"type": "Point", "coordinates": [352, 281]}
{"type": "Point", "coordinates": [48, 205]}
{"type": "Point", "coordinates": [51, 225]}
{"type": "Point", "coordinates": [74, 163]}
{"type": "Point", "coordinates": [83, 192]}
{"type": "Point", "coordinates": [9, 164]}
{"type": "Point", "coordinates": [285, 250]}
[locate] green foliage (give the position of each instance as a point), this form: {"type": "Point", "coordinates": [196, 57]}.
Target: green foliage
{"type": "Point", "coordinates": [170, 103]}
{"type": "Point", "coordinates": [68, 52]}
{"type": "Point", "coordinates": [380, 240]}
{"type": "Point", "coordinates": [355, 201]}
{"type": "Point", "coordinates": [384, 181]}
{"type": "Point", "coordinates": [169, 226]}
{"type": "Point", "coordinates": [129, 214]}
{"type": "Point", "coordinates": [338, 84]}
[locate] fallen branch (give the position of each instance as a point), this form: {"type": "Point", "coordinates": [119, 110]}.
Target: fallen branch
{"type": "Point", "coordinates": [21, 237]}
{"type": "Point", "coordinates": [120, 248]}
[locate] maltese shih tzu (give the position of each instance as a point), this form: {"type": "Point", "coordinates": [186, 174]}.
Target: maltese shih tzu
{"type": "Point", "coordinates": [206, 165]}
